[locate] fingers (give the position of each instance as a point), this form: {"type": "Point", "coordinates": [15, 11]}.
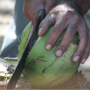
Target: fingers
{"type": "Point", "coordinates": [83, 37]}
{"type": "Point", "coordinates": [31, 9]}
{"type": "Point", "coordinates": [87, 51]}
{"type": "Point", "coordinates": [46, 23]}
{"type": "Point", "coordinates": [31, 15]}
{"type": "Point", "coordinates": [68, 37]}
{"type": "Point", "coordinates": [34, 19]}
{"type": "Point", "coordinates": [62, 19]}
{"type": "Point", "coordinates": [56, 32]}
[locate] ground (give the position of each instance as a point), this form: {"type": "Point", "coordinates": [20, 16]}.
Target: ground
{"type": "Point", "coordinates": [78, 81]}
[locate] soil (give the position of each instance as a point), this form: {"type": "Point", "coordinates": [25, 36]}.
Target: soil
{"type": "Point", "coordinates": [77, 81]}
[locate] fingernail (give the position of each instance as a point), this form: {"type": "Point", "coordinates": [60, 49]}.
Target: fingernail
{"type": "Point", "coordinates": [48, 47]}
{"type": "Point", "coordinates": [83, 61]}
{"type": "Point", "coordinates": [40, 30]}
{"type": "Point", "coordinates": [76, 58]}
{"type": "Point", "coordinates": [58, 53]}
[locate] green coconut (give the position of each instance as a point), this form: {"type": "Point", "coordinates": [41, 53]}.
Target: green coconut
{"type": "Point", "coordinates": [42, 67]}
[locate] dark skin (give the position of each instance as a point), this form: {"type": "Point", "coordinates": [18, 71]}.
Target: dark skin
{"type": "Point", "coordinates": [32, 7]}
{"type": "Point", "coordinates": [84, 4]}
{"type": "Point", "coordinates": [62, 16]}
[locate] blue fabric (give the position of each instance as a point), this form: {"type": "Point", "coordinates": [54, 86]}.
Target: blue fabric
{"type": "Point", "coordinates": [17, 25]}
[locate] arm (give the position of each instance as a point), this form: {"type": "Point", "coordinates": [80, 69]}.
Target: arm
{"type": "Point", "coordinates": [32, 7]}
{"type": "Point", "coordinates": [84, 5]}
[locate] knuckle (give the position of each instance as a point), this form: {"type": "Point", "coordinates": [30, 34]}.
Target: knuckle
{"type": "Point", "coordinates": [69, 12]}
{"type": "Point", "coordinates": [58, 16]}
{"type": "Point", "coordinates": [62, 47]}
{"type": "Point", "coordinates": [52, 17]}
{"type": "Point", "coordinates": [70, 33]}
{"type": "Point", "coordinates": [86, 54]}
{"type": "Point", "coordinates": [51, 41]}
{"type": "Point", "coordinates": [76, 17]}
{"type": "Point", "coordinates": [49, 20]}
{"type": "Point", "coordinates": [57, 30]}
{"type": "Point", "coordinates": [41, 24]}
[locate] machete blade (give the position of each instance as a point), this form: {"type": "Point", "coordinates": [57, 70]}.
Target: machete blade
{"type": "Point", "coordinates": [20, 66]}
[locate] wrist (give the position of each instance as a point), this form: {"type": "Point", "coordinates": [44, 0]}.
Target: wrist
{"type": "Point", "coordinates": [72, 5]}
{"type": "Point", "coordinates": [84, 4]}
{"type": "Point", "coordinates": [81, 5]}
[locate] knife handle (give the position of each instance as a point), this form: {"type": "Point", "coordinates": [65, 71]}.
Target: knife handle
{"type": "Point", "coordinates": [41, 17]}
{"type": "Point", "coordinates": [42, 14]}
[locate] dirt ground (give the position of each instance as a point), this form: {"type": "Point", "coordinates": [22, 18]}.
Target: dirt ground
{"type": "Point", "coordinates": [78, 81]}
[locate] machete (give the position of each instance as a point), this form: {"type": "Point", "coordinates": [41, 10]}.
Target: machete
{"type": "Point", "coordinates": [20, 66]}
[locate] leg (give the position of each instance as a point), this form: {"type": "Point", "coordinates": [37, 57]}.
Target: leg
{"type": "Point", "coordinates": [11, 40]}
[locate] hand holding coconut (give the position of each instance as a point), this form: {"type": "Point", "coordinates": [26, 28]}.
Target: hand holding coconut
{"type": "Point", "coordinates": [64, 17]}
{"type": "Point", "coordinates": [59, 32]}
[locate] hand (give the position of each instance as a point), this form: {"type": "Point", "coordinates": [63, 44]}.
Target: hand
{"type": "Point", "coordinates": [32, 7]}
{"type": "Point", "coordinates": [64, 17]}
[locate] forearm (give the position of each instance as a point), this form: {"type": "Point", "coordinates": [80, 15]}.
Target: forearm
{"type": "Point", "coordinates": [83, 4]}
